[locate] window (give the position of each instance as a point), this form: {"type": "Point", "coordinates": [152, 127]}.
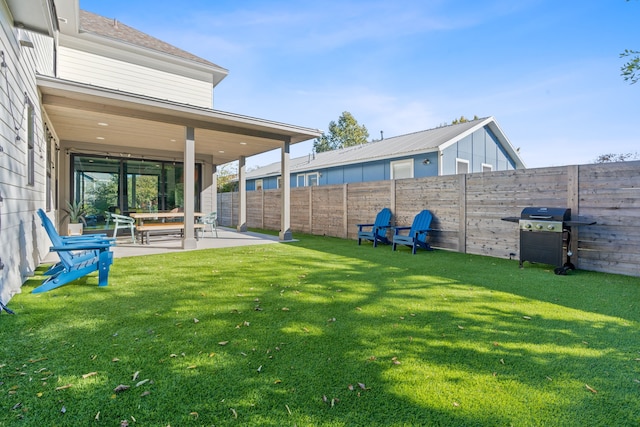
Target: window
{"type": "Point", "coordinates": [486, 167]}
{"type": "Point", "coordinates": [117, 185]}
{"type": "Point", "coordinates": [279, 182]}
{"type": "Point", "coordinates": [259, 184]}
{"type": "Point", "coordinates": [401, 169]}
{"type": "Point", "coordinates": [462, 166]}
{"type": "Point", "coordinates": [31, 136]}
{"type": "Point", "coordinates": [312, 179]}
{"type": "Point", "coordinates": [309, 179]}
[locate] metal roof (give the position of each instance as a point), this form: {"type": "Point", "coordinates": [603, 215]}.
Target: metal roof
{"type": "Point", "coordinates": [399, 146]}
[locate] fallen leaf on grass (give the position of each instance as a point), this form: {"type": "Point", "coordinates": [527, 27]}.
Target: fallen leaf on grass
{"type": "Point", "coordinates": [145, 393]}
{"type": "Point", "coordinates": [288, 410]}
{"type": "Point", "coordinates": [192, 367]}
{"type": "Point", "coordinates": [526, 317]}
{"type": "Point", "coordinates": [350, 387]}
{"type": "Point", "coordinates": [456, 404]}
{"type": "Point", "coordinates": [223, 342]}
{"type": "Point", "coordinates": [592, 390]}
{"type": "Point", "coordinates": [64, 387]}
{"type": "Point", "coordinates": [285, 308]}
{"type": "Point", "coordinates": [63, 410]}
{"type": "Point", "coordinates": [195, 320]}
{"type": "Point", "coordinates": [135, 375]}
{"type": "Point", "coordinates": [395, 361]}
{"type": "Point", "coordinates": [460, 327]}
{"type": "Point", "coordinates": [97, 417]}
{"type": "Point", "coordinates": [139, 383]}
{"type": "Point", "coordinates": [194, 414]}
{"type": "Point", "coordinates": [362, 386]}
{"type": "Point", "coordinates": [120, 388]}
{"type": "Point", "coordinates": [90, 374]}
{"type": "Point", "coordinates": [235, 414]}
{"type": "Point", "coordinates": [124, 423]}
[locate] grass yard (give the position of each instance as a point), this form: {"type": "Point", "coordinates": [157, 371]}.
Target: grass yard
{"type": "Point", "coordinates": [323, 332]}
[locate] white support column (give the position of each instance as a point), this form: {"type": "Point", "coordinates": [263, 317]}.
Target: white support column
{"type": "Point", "coordinates": [188, 240]}
{"type": "Point", "coordinates": [214, 189]}
{"type": "Point", "coordinates": [242, 194]}
{"type": "Point", "coordinates": [285, 220]}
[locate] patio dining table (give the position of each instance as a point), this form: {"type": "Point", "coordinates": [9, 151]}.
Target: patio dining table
{"type": "Point", "coordinates": [140, 217]}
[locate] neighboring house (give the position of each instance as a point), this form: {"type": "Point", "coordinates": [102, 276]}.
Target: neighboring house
{"type": "Point", "coordinates": [475, 146]}
{"type": "Point", "coordinates": [94, 111]}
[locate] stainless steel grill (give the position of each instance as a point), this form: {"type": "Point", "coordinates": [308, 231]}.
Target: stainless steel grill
{"type": "Point", "coordinates": [545, 236]}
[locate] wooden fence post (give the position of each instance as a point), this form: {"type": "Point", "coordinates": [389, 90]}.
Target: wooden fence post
{"type": "Point", "coordinates": [462, 214]}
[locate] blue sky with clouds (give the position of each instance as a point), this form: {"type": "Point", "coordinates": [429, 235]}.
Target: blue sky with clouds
{"type": "Point", "coordinates": [547, 70]}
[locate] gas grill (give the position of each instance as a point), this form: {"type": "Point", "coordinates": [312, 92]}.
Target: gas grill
{"type": "Point", "coordinates": [545, 234]}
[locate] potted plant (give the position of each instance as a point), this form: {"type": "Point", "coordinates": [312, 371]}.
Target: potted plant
{"type": "Point", "coordinates": [75, 212]}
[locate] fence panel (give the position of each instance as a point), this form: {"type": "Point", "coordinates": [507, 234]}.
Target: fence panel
{"type": "Point", "coordinates": [468, 209]}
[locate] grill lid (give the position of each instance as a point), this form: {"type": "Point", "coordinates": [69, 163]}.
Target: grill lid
{"type": "Point", "coordinates": [546, 214]}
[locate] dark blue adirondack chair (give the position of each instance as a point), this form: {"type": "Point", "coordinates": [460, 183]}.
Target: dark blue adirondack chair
{"type": "Point", "coordinates": [376, 232]}
{"type": "Point", "coordinates": [418, 232]}
{"type": "Point", "coordinates": [79, 256]}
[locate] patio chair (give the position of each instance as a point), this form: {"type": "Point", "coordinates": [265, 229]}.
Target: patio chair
{"type": "Point", "coordinates": [210, 221]}
{"type": "Point", "coordinates": [79, 256]}
{"type": "Point", "coordinates": [121, 221]}
{"type": "Point", "coordinates": [417, 236]}
{"type": "Point", "coordinates": [376, 232]}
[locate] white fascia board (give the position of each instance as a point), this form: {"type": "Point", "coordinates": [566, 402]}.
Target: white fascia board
{"type": "Point", "coordinates": [126, 52]}
{"type": "Point", "coordinates": [495, 128]}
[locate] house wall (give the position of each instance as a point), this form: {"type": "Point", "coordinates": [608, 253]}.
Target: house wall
{"type": "Point", "coordinates": [481, 147]}
{"type": "Point", "coordinates": [468, 210]}
{"type": "Point", "coordinates": [22, 239]}
{"type": "Point", "coordinates": [100, 70]}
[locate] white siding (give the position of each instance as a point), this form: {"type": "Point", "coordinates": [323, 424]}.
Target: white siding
{"type": "Point", "coordinates": [22, 239]}
{"type": "Point", "coordinates": [101, 71]}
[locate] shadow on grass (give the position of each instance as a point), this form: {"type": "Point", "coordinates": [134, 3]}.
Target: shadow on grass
{"type": "Point", "coordinates": [257, 336]}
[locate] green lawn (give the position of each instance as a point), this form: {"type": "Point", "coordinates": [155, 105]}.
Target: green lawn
{"type": "Point", "coordinates": [323, 332]}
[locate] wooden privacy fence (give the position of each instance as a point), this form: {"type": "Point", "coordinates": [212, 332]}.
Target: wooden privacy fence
{"type": "Point", "coordinates": [468, 209]}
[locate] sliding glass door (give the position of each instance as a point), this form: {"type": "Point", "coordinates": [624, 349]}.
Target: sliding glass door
{"type": "Point", "coordinates": [107, 185]}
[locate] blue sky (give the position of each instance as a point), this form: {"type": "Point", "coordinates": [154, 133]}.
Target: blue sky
{"type": "Point", "coordinates": [547, 70]}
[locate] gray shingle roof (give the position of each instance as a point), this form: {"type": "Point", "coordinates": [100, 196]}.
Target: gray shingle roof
{"type": "Point", "coordinates": [404, 145]}
{"type": "Point", "coordinates": [116, 30]}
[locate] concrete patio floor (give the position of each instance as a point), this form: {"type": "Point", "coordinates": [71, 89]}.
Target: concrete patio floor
{"type": "Point", "coordinates": [161, 244]}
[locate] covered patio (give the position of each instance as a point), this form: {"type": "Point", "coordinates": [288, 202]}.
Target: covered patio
{"type": "Point", "coordinates": [120, 127]}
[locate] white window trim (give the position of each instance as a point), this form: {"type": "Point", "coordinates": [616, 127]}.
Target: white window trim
{"type": "Point", "coordinates": [399, 162]}
{"type": "Point", "coordinates": [459, 162]}
{"type": "Point", "coordinates": [488, 167]}
{"type": "Point", "coordinates": [317, 175]}
{"type": "Point", "coordinates": [261, 181]}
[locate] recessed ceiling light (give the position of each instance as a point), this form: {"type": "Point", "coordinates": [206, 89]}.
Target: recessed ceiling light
{"type": "Point", "coordinates": [221, 151]}
{"type": "Point", "coordinates": [243, 143]}
{"type": "Point", "coordinates": [103, 124]}
{"type": "Point", "coordinates": [172, 140]}
{"type": "Point", "coordinates": [100, 137]}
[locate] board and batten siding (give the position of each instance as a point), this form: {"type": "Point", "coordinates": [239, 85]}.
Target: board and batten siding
{"type": "Point", "coordinates": [111, 73]}
{"type": "Point", "coordinates": [23, 242]}
{"type": "Point", "coordinates": [468, 210]}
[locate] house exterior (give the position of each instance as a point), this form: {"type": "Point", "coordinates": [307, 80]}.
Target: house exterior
{"type": "Point", "coordinates": [96, 112]}
{"type": "Point", "coordinates": [475, 146]}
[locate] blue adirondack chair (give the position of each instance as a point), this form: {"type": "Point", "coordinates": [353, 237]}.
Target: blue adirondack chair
{"type": "Point", "coordinates": [376, 232]}
{"type": "Point", "coordinates": [418, 232]}
{"type": "Point", "coordinates": [79, 256]}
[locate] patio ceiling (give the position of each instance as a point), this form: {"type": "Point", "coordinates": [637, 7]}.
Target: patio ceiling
{"type": "Point", "coordinates": [83, 113]}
